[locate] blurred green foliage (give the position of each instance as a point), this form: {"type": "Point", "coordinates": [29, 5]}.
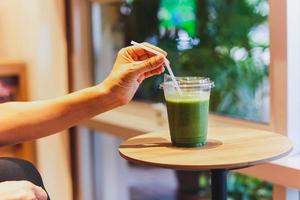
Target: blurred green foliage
{"type": "Point", "coordinates": [230, 46]}
{"type": "Point", "coordinates": [227, 42]}
{"type": "Point", "coordinates": [248, 188]}
{"type": "Point", "coordinates": [240, 187]}
{"type": "Point", "coordinates": [179, 14]}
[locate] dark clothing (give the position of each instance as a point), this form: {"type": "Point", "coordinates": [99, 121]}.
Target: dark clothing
{"type": "Point", "coordinates": [13, 169]}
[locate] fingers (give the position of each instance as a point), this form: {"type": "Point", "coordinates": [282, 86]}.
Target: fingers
{"type": "Point", "coordinates": [154, 72]}
{"type": "Point", "coordinates": [157, 71]}
{"type": "Point", "coordinates": [150, 64]}
{"type": "Point", "coordinates": [40, 193]}
{"type": "Point", "coordinates": [139, 54]}
{"type": "Point", "coordinates": [141, 78]}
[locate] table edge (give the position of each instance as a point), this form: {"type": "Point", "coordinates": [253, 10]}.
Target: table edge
{"type": "Point", "coordinates": [206, 167]}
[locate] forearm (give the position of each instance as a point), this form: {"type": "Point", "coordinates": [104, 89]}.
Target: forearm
{"type": "Point", "coordinates": [22, 121]}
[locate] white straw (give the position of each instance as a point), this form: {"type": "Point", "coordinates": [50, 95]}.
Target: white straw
{"type": "Point", "coordinates": [167, 62]}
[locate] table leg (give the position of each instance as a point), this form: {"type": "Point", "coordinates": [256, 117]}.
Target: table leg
{"type": "Point", "coordinates": [219, 184]}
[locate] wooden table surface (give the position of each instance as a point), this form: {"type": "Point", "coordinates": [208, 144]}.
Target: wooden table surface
{"type": "Point", "coordinates": [227, 148]}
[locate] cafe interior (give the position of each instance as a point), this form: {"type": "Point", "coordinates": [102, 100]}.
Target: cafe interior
{"type": "Point", "coordinates": [249, 49]}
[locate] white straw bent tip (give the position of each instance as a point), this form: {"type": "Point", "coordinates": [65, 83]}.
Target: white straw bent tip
{"type": "Point", "coordinates": [167, 62]}
{"type": "Point", "coordinates": [147, 49]}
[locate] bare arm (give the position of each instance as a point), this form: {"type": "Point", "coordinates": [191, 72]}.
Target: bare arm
{"type": "Point", "coordinates": [29, 120]}
{"type": "Point", "coordinates": [20, 121]}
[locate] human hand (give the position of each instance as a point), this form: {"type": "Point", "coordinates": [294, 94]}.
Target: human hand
{"type": "Point", "coordinates": [132, 66]}
{"type": "Point", "coordinates": [21, 190]}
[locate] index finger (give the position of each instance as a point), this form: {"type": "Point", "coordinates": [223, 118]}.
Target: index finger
{"type": "Point", "coordinates": [138, 53]}
{"type": "Point", "coordinates": [155, 48]}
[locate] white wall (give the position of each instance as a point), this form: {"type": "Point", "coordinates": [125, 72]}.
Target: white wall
{"type": "Point", "coordinates": [33, 30]}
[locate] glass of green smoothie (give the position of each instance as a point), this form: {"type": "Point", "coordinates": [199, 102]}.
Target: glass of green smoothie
{"type": "Point", "coordinates": [188, 110]}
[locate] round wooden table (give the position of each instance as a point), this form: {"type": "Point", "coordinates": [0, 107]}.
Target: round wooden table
{"type": "Point", "coordinates": [226, 149]}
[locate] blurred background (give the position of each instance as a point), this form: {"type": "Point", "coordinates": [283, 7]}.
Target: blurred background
{"type": "Point", "coordinates": [227, 41]}
{"type": "Point", "coordinates": [61, 46]}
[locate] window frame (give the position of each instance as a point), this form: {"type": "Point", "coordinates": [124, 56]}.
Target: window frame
{"type": "Point", "coordinates": [278, 70]}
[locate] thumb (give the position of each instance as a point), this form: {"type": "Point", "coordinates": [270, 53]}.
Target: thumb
{"type": "Point", "coordinates": [40, 193]}
{"type": "Point", "coordinates": [150, 64]}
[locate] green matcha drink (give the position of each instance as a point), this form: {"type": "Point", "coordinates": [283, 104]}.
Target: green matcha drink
{"type": "Point", "coordinates": [188, 119]}
{"type": "Point", "coordinates": [188, 112]}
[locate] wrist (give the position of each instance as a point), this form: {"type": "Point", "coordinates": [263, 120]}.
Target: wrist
{"type": "Point", "coordinates": [109, 90]}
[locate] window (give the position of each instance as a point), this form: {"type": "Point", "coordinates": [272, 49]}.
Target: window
{"type": "Point", "coordinates": [228, 42]}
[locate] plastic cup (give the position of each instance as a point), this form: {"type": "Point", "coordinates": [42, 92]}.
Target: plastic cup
{"type": "Point", "coordinates": [188, 112]}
